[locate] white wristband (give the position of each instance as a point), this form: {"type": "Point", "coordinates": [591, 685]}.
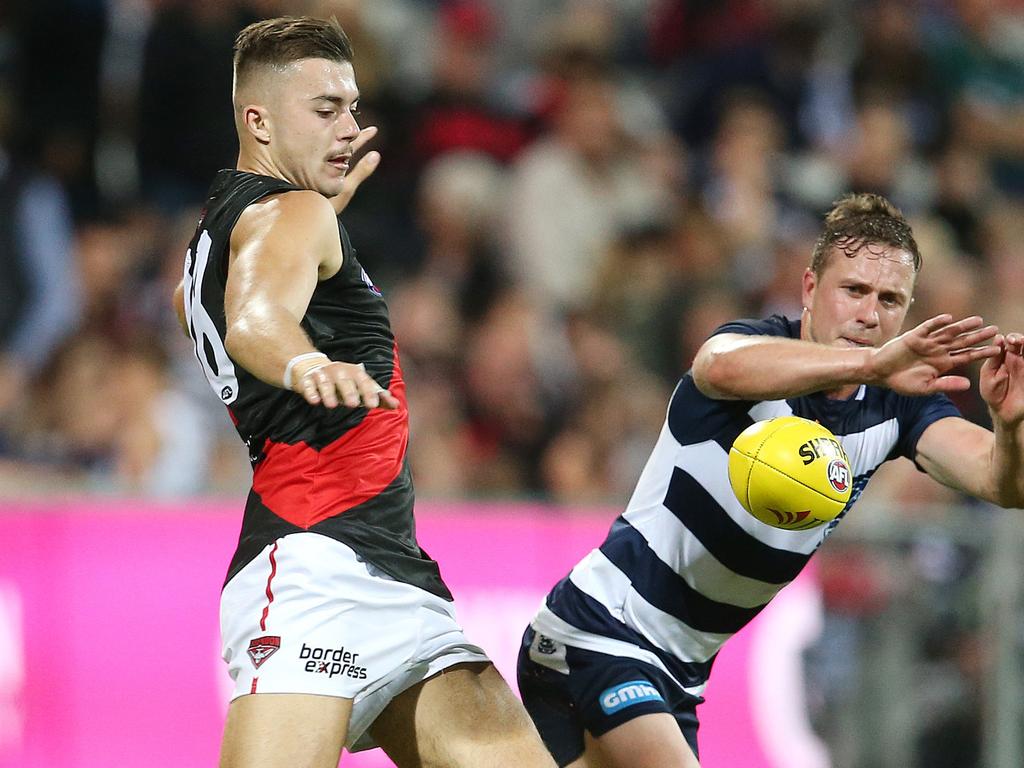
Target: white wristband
{"type": "Point", "coordinates": [298, 359]}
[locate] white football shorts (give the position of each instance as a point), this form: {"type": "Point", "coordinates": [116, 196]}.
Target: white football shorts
{"type": "Point", "coordinates": [309, 616]}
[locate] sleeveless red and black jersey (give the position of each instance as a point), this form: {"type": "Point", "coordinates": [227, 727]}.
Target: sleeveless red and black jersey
{"type": "Point", "coordinates": [340, 472]}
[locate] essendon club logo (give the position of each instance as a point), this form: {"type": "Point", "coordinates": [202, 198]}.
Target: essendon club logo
{"type": "Point", "coordinates": [262, 648]}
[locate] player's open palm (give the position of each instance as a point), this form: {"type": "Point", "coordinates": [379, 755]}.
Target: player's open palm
{"type": "Point", "coordinates": [918, 362]}
{"type": "Point", "coordinates": [1002, 380]}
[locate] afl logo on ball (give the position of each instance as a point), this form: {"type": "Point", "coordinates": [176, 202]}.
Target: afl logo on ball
{"type": "Point", "coordinates": [839, 475]}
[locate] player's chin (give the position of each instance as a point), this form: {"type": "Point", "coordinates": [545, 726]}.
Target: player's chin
{"type": "Point", "coordinates": [330, 185]}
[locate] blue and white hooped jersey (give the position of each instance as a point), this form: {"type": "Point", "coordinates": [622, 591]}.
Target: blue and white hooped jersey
{"type": "Point", "coordinates": [685, 566]}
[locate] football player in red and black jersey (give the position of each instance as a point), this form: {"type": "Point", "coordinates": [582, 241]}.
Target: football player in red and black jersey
{"type": "Point", "coordinates": [337, 628]}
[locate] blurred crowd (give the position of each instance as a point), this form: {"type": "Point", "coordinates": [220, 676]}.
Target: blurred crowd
{"type": "Point", "coordinates": [573, 194]}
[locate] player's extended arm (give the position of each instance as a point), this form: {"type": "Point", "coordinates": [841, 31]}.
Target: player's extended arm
{"type": "Point", "coordinates": [738, 367]}
{"type": "Point", "coordinates": [178, 300]}
{"type": "Point", "coordinates": [989, 465]}
{"type": "Point", "coordinates": [280, 249]}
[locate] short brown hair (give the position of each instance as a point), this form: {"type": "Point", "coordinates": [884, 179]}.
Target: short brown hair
{"type": "Point", "coordinates": [859, 219]}
{"type": "Point", "coordinates": [278, 42]}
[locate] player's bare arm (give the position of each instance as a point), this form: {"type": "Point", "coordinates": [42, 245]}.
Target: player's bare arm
{"type": "Point", "coordinates": [280, 249]}
{"type": "Point", "coordinates": [178, 300]}
{"type": "Point", "coordinates": [918, 362]}
{"type": "Point", "coordinates": [362, 170]}
{"type": "Point", "coordinates": [986, 464]}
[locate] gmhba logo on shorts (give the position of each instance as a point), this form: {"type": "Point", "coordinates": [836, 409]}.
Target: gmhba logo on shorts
{"type": "Point", "coordinates": [626, 694]}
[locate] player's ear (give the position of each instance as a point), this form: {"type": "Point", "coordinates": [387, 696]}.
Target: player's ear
{"type": "Point", "coordinates": [810, 283]}
{"type": "Point", "coordinates": [256, 122]}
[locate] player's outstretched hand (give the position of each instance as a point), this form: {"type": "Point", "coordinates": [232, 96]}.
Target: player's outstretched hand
{"type": "Point", "coordinates": [334, 383]}
{"type": "Point", "coordinates": [360, 172]}
{"type": "Point", "coordinates": [918, 362]}
{"type": "Point", "coordinates": [1002, 380]}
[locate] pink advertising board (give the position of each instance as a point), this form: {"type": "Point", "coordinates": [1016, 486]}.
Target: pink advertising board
{"type": "Point", "coordinates": [109, 647]}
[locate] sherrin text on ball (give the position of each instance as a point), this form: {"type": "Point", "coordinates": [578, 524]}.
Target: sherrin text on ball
{"type": "Point", "coordinates": [790, 472]}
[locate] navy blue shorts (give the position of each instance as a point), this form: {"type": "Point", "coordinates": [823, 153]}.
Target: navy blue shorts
{"type": "Point", "coordinates": [594, 692]}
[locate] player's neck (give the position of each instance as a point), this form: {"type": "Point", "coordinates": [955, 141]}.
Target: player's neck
{"type": "Point", "coordinates": [264, 166]}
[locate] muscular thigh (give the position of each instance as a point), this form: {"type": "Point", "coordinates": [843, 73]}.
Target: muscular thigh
{"type": "Point", "coordinates": [595, 710]}
{"type": "Point", "coordinates": [464, 717]}
{"type": "Point", "coordinates": [649, 741]}
{"type": "Point", "coordinates": [285, 730]}
{"type": "Point", "coordinates": [309, 621]}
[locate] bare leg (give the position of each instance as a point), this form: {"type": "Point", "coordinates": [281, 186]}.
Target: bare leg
{"type": "Point", "coordinates": [650, 741]}
{"type": "Point", "coordinates": [464, 717]}
{"type": "Point", "coordinates": [285, 730]}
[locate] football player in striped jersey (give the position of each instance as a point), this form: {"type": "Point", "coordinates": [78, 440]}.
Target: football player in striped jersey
{"type": "Point", "coordinates": [616, 660]}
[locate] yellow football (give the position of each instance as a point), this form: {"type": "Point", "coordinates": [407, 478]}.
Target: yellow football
{"type": "Point", "coordinates": [790, 473]}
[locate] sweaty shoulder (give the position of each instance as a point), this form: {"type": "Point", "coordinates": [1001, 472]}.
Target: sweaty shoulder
{"type": "Point", "coordinates": [774, 325]}
{"type": "Point", "coordinates": [300, 221]}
